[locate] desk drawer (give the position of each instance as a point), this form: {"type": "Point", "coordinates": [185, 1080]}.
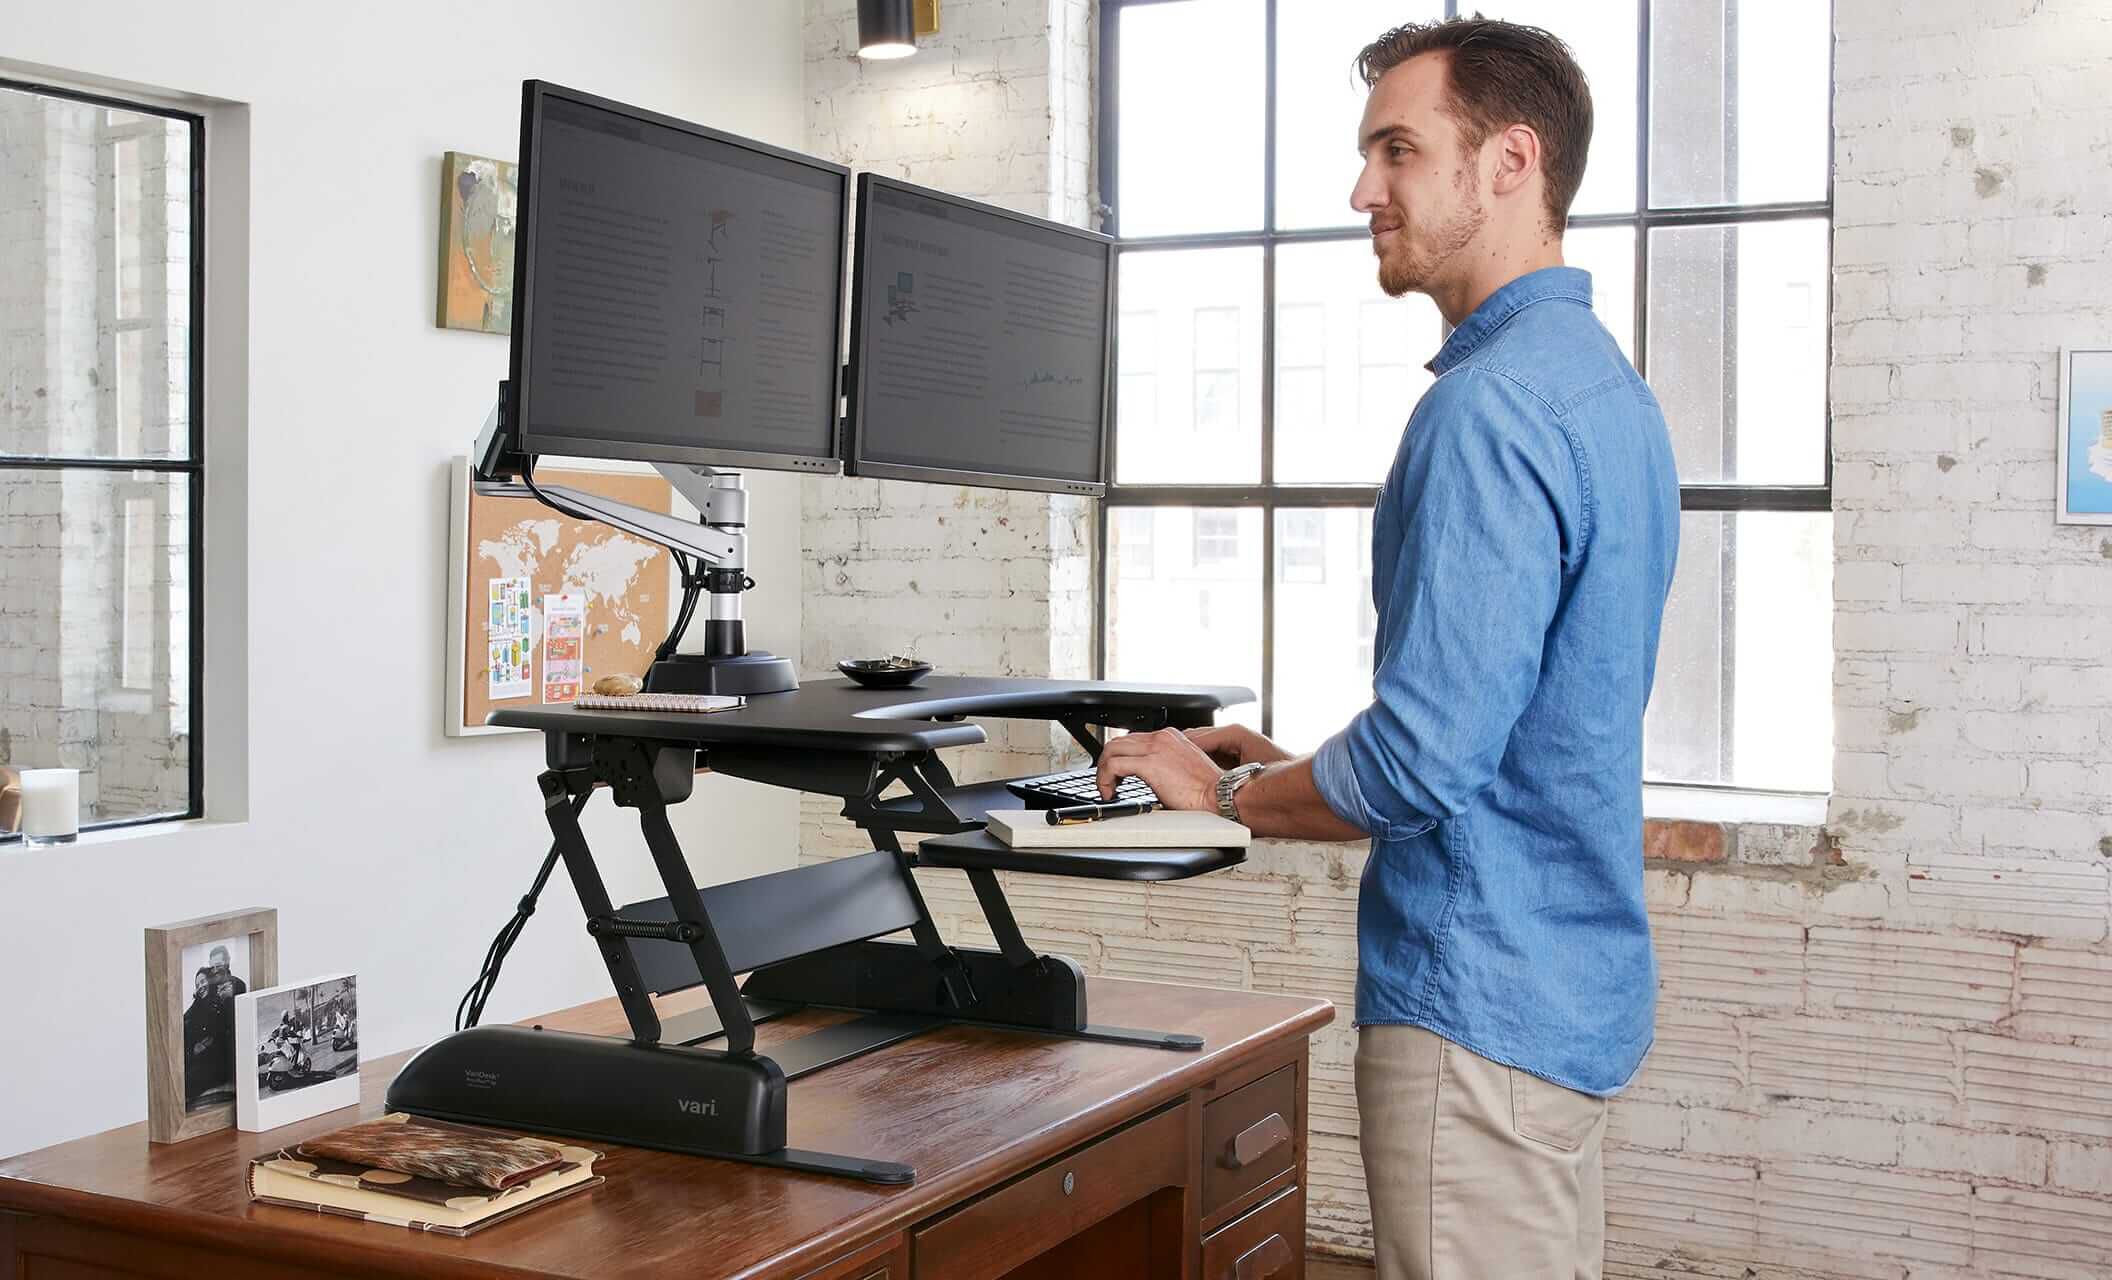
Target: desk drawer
{"type": "Point", "coordinates": [1056, 1202]}
{"type": "Point", "coordinates": [1249, 1136]}
{"type": "Point", "coordinates": [1267, 1244]}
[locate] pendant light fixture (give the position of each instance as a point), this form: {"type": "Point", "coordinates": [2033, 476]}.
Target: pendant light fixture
{"type": "Point", "coordinates": [885, 29]}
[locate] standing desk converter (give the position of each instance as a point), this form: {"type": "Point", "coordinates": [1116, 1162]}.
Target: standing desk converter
{"type": "Point", "coordinates": [807, 936]}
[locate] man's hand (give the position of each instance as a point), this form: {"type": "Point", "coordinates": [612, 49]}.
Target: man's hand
{"type": "Point", "coordinates": [1174, 766]}
{"type": "Point", "coordinates": [1232, 745]}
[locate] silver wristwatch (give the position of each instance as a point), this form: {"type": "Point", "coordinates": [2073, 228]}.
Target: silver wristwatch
{"type": "Point", "coordinates": [1228, 785]}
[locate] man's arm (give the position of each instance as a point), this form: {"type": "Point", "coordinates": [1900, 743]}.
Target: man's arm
{"type": "Point", "coordinates": [1281, 800]}
{"type": "Point", "coordinates": [1473, 589]}
{"type": "Point", "coordinates": [1491, 501]}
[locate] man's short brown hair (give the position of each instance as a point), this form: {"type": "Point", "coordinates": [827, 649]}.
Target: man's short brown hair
{"type": "Point", "coordinates": [1499, 74]}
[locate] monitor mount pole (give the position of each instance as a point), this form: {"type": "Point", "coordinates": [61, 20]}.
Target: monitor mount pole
{"type": "Point", "coordinates": [726, 665]}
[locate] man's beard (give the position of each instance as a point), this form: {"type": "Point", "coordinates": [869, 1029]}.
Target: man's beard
{"type": "Point", "coordinates": [1411, 268]}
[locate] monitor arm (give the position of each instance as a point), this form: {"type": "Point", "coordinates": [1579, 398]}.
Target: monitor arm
{"type": "Point", "coordinates": [718, 541]}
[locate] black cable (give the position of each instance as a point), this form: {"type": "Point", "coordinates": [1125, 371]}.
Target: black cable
{"type": "Point", "coordinates": [470, 1010]}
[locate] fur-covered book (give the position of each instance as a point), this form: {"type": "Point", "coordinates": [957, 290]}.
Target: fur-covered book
{"type": "Point", "coordinates": [305, 1177]}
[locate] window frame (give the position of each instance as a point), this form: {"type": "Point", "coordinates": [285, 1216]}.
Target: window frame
{"type": "Point", "coordinates": [1269, 496]}
{"type": "Point", "coordinates": [191, 466]}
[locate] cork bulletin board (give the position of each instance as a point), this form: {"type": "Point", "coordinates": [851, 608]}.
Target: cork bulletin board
{"type": "Point", "coordinates": [541, 605]}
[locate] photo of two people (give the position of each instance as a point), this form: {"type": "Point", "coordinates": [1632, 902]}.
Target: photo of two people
{"type": "Point", "coordinates": [219, 972]}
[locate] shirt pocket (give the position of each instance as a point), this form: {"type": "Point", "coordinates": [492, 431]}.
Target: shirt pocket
{"type": "Point", "coordinates": [1547, 1113]}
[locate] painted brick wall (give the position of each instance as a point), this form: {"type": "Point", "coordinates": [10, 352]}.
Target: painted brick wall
{"type": "Point", "coordinates": [1885, 1048]}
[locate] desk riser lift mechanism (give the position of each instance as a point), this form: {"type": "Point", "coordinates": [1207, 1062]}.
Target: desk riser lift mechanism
{"type": "Point", "coordinates": [806, 937]}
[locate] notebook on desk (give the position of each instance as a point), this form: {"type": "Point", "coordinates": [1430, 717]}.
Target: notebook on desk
{"type": "Point", "coordinates": [1161, 829]}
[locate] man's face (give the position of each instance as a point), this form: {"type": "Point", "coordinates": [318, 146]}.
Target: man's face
{"type": "Point", "coordinates": [1420, 191]}
{"type": "Point", "coordinates": [219, 959]}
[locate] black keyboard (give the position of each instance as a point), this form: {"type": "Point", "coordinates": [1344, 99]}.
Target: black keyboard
{"type": "Point", "coordinates": [1078, 786]}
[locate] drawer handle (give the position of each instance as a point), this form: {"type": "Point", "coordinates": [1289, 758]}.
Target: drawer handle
{"type": "Point", "coordinates": [1263, 1260]}
{"type": "Point", "coordinates": [1257, 1140]}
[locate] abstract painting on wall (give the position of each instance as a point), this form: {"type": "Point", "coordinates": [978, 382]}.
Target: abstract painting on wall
{"type": "Point", "coordinates": [477, 218]}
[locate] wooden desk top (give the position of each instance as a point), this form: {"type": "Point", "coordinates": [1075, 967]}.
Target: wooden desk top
{"type": "Point", "coordinates": [967, 1106]}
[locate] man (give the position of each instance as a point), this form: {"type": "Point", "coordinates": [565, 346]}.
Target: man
{"type": "Point", "coordinates": [204, 1067]}
{"type": "Point", "coordinates": [223, 972]}
{"type": "Point", "coordinates": [1523, 545]}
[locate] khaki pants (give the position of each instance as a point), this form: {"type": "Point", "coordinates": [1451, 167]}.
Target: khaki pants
{"type": "Point", "coordinates": [1476, 1170]}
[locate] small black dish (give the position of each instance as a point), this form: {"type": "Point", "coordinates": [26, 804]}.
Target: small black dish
{"type": "Point", "coordinates": [883, 673]}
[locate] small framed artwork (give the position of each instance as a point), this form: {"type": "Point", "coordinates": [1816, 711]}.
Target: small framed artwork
{"type": "Point", "coordinates": [2085, 442]}
{"type": "Point", "coordinates": [477, 216]}
{"type": "Point", "coordinates": [196, 970]}
{"type": "Point", "coordinates": [298, 1046]}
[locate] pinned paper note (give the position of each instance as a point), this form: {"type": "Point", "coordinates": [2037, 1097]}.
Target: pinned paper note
{"type": "Point", "coordinates": [564, 645]}
{"type": "Point", "coordinates": [511, 676]}
{"type": "Point", "coordinates": [509, 669]}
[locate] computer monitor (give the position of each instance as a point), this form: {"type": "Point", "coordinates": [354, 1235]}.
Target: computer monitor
{"type": "Point", "coordinates": [678, 292]}
{"type": "Point", "coordinates": [979, 344]}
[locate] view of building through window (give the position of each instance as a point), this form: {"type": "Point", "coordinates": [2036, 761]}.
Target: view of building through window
{"type": "Point", "coordinates": [100, 469]}
{"type": "Point", "coordinates": [1264, 380]}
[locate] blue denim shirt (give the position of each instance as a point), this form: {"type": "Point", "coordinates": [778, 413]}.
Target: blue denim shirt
{"type": "Point", "coordinates": [1521, 552]}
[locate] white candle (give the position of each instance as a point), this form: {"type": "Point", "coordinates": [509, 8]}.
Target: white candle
{"type": "Point", "coordinates": [51, 805]}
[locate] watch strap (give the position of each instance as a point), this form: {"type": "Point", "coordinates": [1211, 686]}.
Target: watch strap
{"type": "Point", "coordinates": [1228, 785]}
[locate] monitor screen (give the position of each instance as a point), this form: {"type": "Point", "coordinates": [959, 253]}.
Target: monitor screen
{"type": "Point", "coordinates": [979, 344]}
{"type": "Point", "coordinates": [678, 293]}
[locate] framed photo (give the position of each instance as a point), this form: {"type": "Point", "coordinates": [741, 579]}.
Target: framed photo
{"type": "Point", "coordinates": [2085, 441]}
{"type": "Point", "coordinates": [298, 1051]}
{"type": "Point", "coordinates": [196, 970]}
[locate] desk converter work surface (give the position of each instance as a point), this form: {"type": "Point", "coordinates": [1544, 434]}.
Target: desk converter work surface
{"type": "Point", "coordinates": [837, 715]}
{"type": "Point", "coordinates": [971, 1106]}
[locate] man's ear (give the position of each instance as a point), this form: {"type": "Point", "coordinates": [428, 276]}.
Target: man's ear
{"type": "Point", "coordinates": [1517, 158]}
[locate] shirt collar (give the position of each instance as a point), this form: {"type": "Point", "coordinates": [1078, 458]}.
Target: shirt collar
{"type": "Point", "coordinates": [1534, 286]}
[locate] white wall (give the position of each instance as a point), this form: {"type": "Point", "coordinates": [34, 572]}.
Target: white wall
{"type": "Point", "coordinates": [387, 848]}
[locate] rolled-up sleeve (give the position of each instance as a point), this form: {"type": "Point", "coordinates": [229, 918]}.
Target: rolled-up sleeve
{"type": "Point", "coordinates": [1490, 495]}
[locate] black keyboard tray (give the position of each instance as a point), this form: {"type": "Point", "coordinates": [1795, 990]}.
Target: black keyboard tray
{"type": "Point", "coordinates": [979, 850]}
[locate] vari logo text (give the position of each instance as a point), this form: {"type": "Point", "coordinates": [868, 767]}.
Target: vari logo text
{"type": "Point", "coordinates": [696, 1108]}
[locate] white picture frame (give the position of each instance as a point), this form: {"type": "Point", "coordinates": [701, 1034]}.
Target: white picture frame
{"type": "Point", "coordinates": [305, 1061]}
{"type": "Point", "coordinates": [2083, 437]}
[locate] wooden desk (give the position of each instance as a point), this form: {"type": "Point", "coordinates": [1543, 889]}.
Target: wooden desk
{"type": "Point", "coordinates": [1036, 1158]}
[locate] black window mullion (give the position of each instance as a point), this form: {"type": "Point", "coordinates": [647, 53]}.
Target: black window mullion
{"type": "Point", "coordinates": [197, 346]}
{"type": "Point", "coordinates": [1268, 367]}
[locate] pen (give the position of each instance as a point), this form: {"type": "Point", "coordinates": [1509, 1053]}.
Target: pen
{"type": "Point", "coordinates": [1073, 814]}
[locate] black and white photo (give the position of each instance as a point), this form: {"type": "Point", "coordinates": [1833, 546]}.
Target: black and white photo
{"type": "Point", "coordinates": [215, 973]}
{"type": "Point", "coordinates": [298, 1051]}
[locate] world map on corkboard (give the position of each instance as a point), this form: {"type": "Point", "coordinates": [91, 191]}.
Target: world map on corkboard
{"type": "Point", "coordinates": [553, 603]}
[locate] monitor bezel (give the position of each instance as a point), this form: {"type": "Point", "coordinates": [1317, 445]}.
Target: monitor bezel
{"type": "Point", "coordinates": [534, 93]}
{"type": "Point", "coordinates": [856, 464]}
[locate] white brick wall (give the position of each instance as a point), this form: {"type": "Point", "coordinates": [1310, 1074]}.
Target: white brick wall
{"type": "Point", "coordinates": [1884, 1050]}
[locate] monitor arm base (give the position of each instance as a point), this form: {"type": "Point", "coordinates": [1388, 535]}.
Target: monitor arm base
{"type": "Point", "coordinates": [744, 674]}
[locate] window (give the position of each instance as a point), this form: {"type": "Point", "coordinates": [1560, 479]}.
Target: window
{"type": "Point", "coordinates": [102, 468]}
{"type": "Point", "coordinates": [1216, 538]}
{"type": "Point", "coordinates": [1303, 547]}
{"type": "Point", "coordinates": [1133, 549]}
{"type": "Point", "coordinates": [1217, 370]}
{"type": "Point", "coordinates": [1705, 221]}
